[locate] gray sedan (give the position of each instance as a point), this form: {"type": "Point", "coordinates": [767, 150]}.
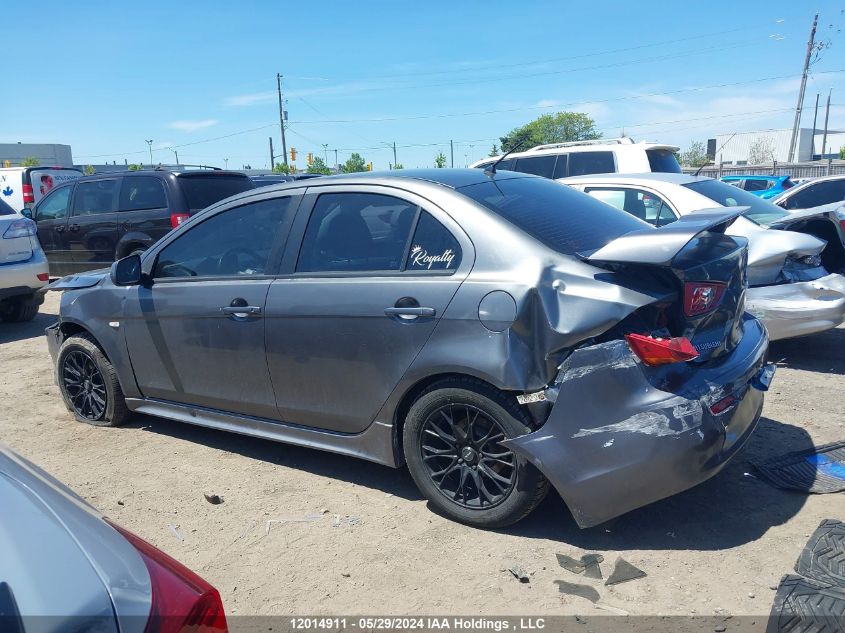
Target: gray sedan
{"type": "Point", "coordinates": [493, 331]}
{"type": "Point", "coordinates": [65, 568]}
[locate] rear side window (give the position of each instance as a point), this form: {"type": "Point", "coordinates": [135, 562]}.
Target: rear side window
{"type": "Point", "coordinates": [5, 209]}
{"type": "Point", "coordinates": [643, 205]}
{"type": "Point", "coordinates": [54, 205]}
{"type": "Point", "coordinates": [582, 163]}
{"type": "Point", "coordinates": [94, 198]}
{"type": "Point", "coordinates": [353, 232]}
{"type": "Point", "coordinates": [663, 160]}
{"type": "Point", "coordinates": [433, 247]}
{"type": "Point", "coordinates": [203, 191]}
{"type": "Point", "coordinates": [761, 211]}
{"type": "Point", "coordinates": [142, 192]}
{"type": "Point", "coordinates": [560, 217]}
{"type": "Point", "coordinates": [757, 184]}
{"type": "Point", "coordinates": [560, 167]}
{"type": "Point", "coordinates": [818, 194]}
{"type": "Point", "coordinates": [538, 165]}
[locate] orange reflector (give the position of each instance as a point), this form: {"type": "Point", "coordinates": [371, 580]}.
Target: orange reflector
{"type": "Point", "coordinates": [661, 351]}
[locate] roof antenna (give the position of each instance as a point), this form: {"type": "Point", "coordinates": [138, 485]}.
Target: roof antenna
{"type": "Point", "coordinates": [492, 168]}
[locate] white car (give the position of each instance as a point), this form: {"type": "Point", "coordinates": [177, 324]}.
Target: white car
{"type": "Point", "coordinates": [23, 267]}
{"type": "Point", "coordinates": [603, 156]}
{"type": "Point", "coordinates": [813, 193]}
{"type": "Point", "coordinates": [789, 288]}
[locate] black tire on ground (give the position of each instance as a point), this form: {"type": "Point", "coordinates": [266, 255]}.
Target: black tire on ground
{"type": "Point", "coordinates": [18, 310]}
{"type": "Point", "coordinates": [477, 414]}
{"type": "Point", "coordinates": [98, 399]}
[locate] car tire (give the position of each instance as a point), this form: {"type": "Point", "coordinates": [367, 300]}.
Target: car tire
{"type": "Point", "coordinates": [89, 384]}
{"type": "Point", "coordinates": [18, 310]}
{"type": "Point", "coordinates": [479, 490]}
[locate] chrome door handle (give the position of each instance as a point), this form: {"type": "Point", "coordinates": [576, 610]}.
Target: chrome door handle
{"type": "Point", "coordinates": [241, 310]}
{"type": "Point", "coordinates": [412, 312]}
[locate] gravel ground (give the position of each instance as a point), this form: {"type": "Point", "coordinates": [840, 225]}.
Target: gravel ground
{"type": "Point", "coordinates": [306, 532]}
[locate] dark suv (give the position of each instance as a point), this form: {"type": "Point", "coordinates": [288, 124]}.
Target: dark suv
{"type": "Point", "coordinates": [95, 220]}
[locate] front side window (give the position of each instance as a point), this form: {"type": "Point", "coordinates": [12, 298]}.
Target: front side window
{"type": "Point", "coordinates": [54, 205]}
{"type": "Point", "coordinates": [142, 192]}
{"type": "Point", "coordinates": [94, 197]}
{"type": "Point", "coordinates": [538, 165]}
{"type": "Point", "coordinates": [818, 194]}
{"type": "Point", "coordinates": [433, 247]}
{"type": "Point", "coordinates": [234, 243]}
{"type": "Point", "coordinates": [352, 232]}
{"type": "Point", "coordinates": [585, 163]}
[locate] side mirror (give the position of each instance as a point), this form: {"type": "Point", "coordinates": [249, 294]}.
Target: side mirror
{"type": "Point", "coordinates": [27, 213]}
{"type": "Point", "coordinates": [126, 271]}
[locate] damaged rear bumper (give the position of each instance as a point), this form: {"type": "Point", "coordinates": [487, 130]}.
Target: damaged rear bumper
{"type": "Point", "coordinates": [622, 435]}
{"type": "Point", "coordinates": [799, 309]}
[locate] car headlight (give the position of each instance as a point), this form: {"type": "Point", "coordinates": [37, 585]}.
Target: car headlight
{"type": "Point", "coordinates": [20, 228]}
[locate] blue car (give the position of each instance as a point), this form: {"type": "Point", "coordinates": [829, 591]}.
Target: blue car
{"type": "Point", "coordinates": [764, 186]}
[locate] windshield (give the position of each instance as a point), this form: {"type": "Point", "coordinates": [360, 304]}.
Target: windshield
{"type": "Point", "coordinates": [203, 191]}
{"type": "Point", "coordinates": [560, 217]}
{"type": "Point", "coordinates": [761, 211]}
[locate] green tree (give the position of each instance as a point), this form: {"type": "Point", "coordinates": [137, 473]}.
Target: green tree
{"type": "Point", "coordinates": [399, 166]}
{"type": "Point", "coordinates": [30, 161]}
{"type": "Point", "coordinates": [842, 153]}
{"type": "Point", "coordinates": [551, 128]}
{"type": "Point", "coordinates": [135, 167]}
{"type": "Point", "coordinates": [440, 160]}
{"type": "Point", "coordinates": [89, 170]}
{"type": "Point", "coordinates": [281, 168]}
{"type": "Point", "coordinates": [354, 164]}
{"type": "Point", "coordinates": [318, 166]}
{"type": "Point", "coordinates": [494, 151]}
{"type": "Point", "coordinates": [695, 155]}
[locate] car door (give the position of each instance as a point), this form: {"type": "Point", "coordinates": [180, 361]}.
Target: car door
{"type": "Point", "coordinates": [92, 228]}
{"type": "Point", "coordinates": [195, 332]}
{"type": "Point", "coordinates": [357, 301]}
{"type": "Point", "coordinates": [51, 218]}
{"type": "Point", "coordinates": [143, 215]}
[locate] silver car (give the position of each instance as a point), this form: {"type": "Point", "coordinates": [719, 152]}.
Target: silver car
{"type": "Point", "coordinates": [493, 331]}
{"type": "Point", "coordinates": [64, 567]}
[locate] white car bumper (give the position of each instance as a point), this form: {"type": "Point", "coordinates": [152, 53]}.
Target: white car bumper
{"type": "Point", "coordinates": [21, 278]}
{"type": "Point", "coordinates": [799, 309]}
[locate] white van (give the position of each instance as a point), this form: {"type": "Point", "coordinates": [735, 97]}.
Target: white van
{"type": "Point", "coordinates": [580, 158]}
{"type": "Point", "coordinates": [22, 187]}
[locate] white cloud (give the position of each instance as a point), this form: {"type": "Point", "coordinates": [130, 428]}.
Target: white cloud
{"type": "Point", "coordinates": [250, 99]}
{"type": "Point", "coordinates": [193, 126]}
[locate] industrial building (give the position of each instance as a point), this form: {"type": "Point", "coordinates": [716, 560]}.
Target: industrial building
{"type": "Point", "coordinates": [52, 154]}
{"type": "Point", "coordinates": [768, 146]}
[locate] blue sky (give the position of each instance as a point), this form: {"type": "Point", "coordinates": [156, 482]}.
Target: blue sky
{"type": "Point", "coordinates": [105, 76]}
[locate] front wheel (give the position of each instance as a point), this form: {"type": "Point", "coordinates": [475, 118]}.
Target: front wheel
{"type": "Point", "coordinates": [89, 384]}
{"type": "Point", "coordinates": [451, 440]}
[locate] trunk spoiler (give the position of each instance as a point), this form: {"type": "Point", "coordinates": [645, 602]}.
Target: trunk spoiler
{"type": "Point", "coordinates": [660, 246]}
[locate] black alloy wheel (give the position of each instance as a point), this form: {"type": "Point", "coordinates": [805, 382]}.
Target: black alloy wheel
{"type": "Point", "coordinates": [83, 382]}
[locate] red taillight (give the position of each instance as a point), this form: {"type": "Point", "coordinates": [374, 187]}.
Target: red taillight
{"type": "Point", "coordinates": [722, 405]}
{"type": "Point", "coordinates": [43, 276]}
{"type": "Point", "coordinates": [701, 297]}
{"type": "Point", "coordinates": [661, 351]}
{"type": "Point", "coordinates": [177, 218]}
{"type": "Point", "coordinates": [28, 196]}
{"type": "Point", "coordinates": [182, 601]}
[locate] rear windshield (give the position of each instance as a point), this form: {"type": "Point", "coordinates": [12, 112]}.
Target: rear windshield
{"type": "Point", "coordinates": [5, 209]}
{"type": "Point", "coordinates": [560, 217]}
{"type": "Point", "coordinates": [202, 191]}
{"type": "Point", "coordinates": [761, 212]}
{"type": "Point", "coordinates": [663, 160]}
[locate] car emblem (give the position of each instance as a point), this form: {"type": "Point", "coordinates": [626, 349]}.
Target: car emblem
{"type": "Point", "coordinates": [702, 297]}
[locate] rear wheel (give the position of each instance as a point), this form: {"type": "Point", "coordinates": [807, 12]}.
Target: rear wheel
{"type": "Point", "coordinates": [89, 384]}
{"type": "Point", "coordinates": [452, 446]}
{"type": "Point", "coordinates": [18, 310]}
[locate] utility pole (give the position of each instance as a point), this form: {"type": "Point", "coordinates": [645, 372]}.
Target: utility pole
{"type": "Point", "coordinates": [394, 154]}
{"type": "Point", "coordinates": [282, 118]}
{"type": "Point", "coordinates": [272, 157]}
{"type": "Point", "coordinates": [150, 145]}
{"type": "Point", "coordinates": [797, 123]}
{"type": "Point", "coordinates": [177, 156]}
{"type": "Point", "coordinates": [326, 153]}
{"type": "Point", "coordinates": [452, 153]}
{"type": "Point", "coordinates": [826, 116]}
{"type": "Point", "coordinates": [815, 118]}
{"type": "Point", "coordinates": [336, 164]}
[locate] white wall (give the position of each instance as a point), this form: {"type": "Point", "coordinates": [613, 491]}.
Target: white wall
{"type": "Point", "coordinates": [738, 148]}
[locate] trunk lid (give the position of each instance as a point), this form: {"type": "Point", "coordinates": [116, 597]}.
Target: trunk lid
{"type": "Point", "coordinates": [706, 268]}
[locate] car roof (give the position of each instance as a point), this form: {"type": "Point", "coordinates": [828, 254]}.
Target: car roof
{"type": "Point", "coordinates": [753, 177]}
{"type": "Point", "coordinates": [676, 179]}
{"type": "Point", "coordinates": [586, 146]}
{"type": "Point", "coordinates": [162, 173]}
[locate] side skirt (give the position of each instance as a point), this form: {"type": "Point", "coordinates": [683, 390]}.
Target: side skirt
{"type": "Point", "coordinates": [374, 444]}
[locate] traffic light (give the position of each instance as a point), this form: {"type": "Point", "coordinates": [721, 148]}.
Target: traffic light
{"type": "Point", "coordinates": [369, 167]}
{"type": "Point", "coordinates": [293, 154]}
{"type": "Point", "coordinates": [310, 158]}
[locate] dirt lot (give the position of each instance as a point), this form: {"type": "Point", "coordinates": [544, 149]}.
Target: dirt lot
{"type": "Point", "coordinates": [375, 548]}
